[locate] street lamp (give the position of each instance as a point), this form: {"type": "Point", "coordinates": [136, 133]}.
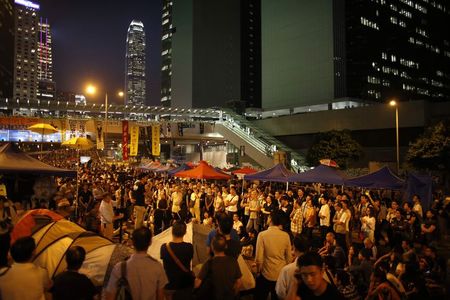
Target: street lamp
{"type": "Point", "coordinates": [91, 90]}
{"type": "Point", "coordinates": [393, 103]}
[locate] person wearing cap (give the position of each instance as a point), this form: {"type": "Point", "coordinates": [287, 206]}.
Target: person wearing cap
{"type": "Point", "coordinates": [107, 216]}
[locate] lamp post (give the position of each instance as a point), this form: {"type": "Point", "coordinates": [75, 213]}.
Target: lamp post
{"type": "Point", "coordinates": [394, 104]}
{"type": "Point", "coordinates": [91, 89]}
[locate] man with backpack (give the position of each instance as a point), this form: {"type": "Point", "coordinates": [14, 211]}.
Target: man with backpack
{"type": "Point", "coordinates": [141, 276]}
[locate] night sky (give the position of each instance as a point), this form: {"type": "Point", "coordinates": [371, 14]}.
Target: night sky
{"type": "Point", "coordinates": [89, 43]}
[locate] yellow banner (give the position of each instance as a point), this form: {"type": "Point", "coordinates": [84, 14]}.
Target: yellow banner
{"type": "Point", "coordinates": [156, 146]}
{"type": "Point", "coordinates": [134, 140]}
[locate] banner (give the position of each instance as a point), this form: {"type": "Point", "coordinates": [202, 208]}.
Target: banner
{"type": "Point", "coordinates": [100, 136]}
{"type": "Point", "coordinates": [125, 140]}
{"type": "Point", "coordinates": [156, 146]}
{"type": "Point", "coordinates": [134, 140]}
{"type": "Point", "coordinates": [148, 140]}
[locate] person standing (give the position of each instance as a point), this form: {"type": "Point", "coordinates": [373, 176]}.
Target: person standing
{"type": "Point", "coordinates": [177, 199]}
{"type": "Point", "coordinates": [273, 252]}
{"type": "Point", "coordinates": [253, 208]}
{"type": "Point", "coordinates": [177, 256]}
{"type": "Point", "coordinates": [301, 246]}
{"type": "Point", "coordinates": [71, 285]}
{"type": "Point", "coordinates": [231, 202]}
{"type": "Point", "coordinates": [138, 199]}
{"type": "Point", "coordinates": [194, 204]}
{"type": "Point", "coordinates": [107, 216]}
{"type": "Point", "coordinates": [296, 219]}
{"type": "Point", "coordinates": [223, 271]}
{"type": "Point", "coordinates": [145, 275]}
{"type": "Point", "coordinates": [417, 207]}
{"type": "Point", "coordinates": [23, 280]}
{"type": "Point", "coordinates": [310, 218]}
{"type": "Point", "coordinates": [339, 222]}
{"type": "Point", "coordinates": [324, 217]}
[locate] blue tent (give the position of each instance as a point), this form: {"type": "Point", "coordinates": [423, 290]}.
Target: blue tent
{"type": "Point", "coordinates": [278, 173]}
{"type": "Point", "coordinates": [419, 184]}
{"type": "Point", "coordinates": [183, 167]}
{"type": "Point", "coordinates": [321, 174]}
{"type": "Point", "coordinates": [381, 179]}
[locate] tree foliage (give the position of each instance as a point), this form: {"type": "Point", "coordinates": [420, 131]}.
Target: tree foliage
{"type": "Point", "coordinates": [431, 151]}
{"type": "Point", "coordinates": [336, 145]}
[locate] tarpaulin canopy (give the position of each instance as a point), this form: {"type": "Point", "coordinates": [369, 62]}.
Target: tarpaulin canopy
{"type": "Point", "coordinates": [203, 171]}
{"type": "Point", "coordinates": [151, 166]}
{"type": "Point", "coordinates": [13, 160]}
{"type": "Point", "coordinates": [163, 169]}
{"type": "Point", "coordinates": [421, 185]}
{"type": "Point", "coordinates": [381, 179]}
{"type": "Point", "coordinates": [245, 170]}
{"type": "Point", "coordinates": [221, 171]}
{"type": "Point", "coordinates": [183, 167]}
{"type": "Point", "coordinates": [321, 174]}
{"type": "Point", "coordinates": [278, 173]}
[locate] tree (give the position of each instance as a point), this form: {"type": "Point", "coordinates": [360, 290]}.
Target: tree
{"type": "Point", "coordinates": [336, 145]}
{"type": "Point", "coordinates": [431, 151]}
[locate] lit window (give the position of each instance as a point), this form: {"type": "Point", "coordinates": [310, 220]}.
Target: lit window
{"type": "Point", "coordinates": [406, 13]}
{"type": "Point", "coordinates": [370, 24]}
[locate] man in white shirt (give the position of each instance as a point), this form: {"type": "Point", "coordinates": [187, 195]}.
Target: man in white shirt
{"type": "Point", "coordinates": [23, 280]}
{"type": "Point", "coordinates": [231, 202]}
{"type": "Point", "coordinates": [107, 216]}
{"type": "Point", "coordinates": [324, 217]}
{"type": "Point", "coordinates": [301, 246]}
{"type": "Point", "coordinates": [273, 252]}
{"type": "Point", "coordinates": [177, 198]}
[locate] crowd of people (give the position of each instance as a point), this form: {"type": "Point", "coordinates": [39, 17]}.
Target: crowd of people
{"type": "Point", "coordinates": [305, 242]}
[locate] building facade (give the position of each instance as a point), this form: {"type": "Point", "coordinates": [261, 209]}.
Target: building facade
{"type": "Point", "coordinates": [6, 48]}
{"type": "Point", "coordinates": [211, 53]}
{"type": "Point", "coordinates": [135, 64]}
{"type": "Point", "coordinates": [314, 52]}
{"type": "Point", "coordinates": [46, 83]}
{"type": "Point", "coordinates": [25, 50]}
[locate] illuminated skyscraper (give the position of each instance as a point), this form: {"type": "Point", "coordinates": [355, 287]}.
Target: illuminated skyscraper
{"type": "Point", "coordinates": [135, 64]}
{"type": "Point", "coordinates": [6, 48]}
{"type": "Point", "coordinates": [25, 50]}
{"type": "Point", "coordinates": [46, 85]}
{"type": "Point", "coordinates": [317, 52]}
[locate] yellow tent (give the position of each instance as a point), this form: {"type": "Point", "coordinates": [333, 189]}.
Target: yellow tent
{"type": "Point", "coordinates": [54, 235]}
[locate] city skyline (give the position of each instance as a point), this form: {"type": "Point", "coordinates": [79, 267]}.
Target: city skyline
{"type": "Point", "coordinates": [89, 46]}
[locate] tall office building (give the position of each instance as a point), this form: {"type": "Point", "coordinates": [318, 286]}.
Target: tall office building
{"type": "Point", "coordinates": [135, 64]}
{"type": "Point", "coordinates": [46, 85]}
{"type": "Point", "coordinates": [314, 52]}
{"type": "Point", "coordinates": [25, 50]}
{"type": "Point", "coordinates": [6, 48]}
{"type": "Point", "coordinates": [211, 53]}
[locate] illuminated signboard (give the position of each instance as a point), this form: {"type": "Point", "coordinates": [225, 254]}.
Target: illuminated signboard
{"type": "Point", "coordinates": [27, 3]}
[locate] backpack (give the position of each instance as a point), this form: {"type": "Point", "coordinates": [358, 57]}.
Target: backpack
{"type": "Point", "coordinates": [123, 287]}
